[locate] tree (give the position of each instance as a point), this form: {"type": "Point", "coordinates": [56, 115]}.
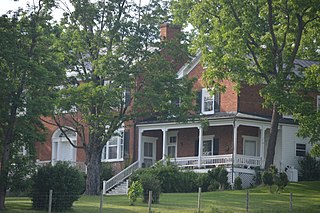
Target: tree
{"type": "Point", "coordinates": [115, 73]}
{"type": "Point", "coordinates": [29, 72]}
{"type": "Point", "coordinates": [254, 42]}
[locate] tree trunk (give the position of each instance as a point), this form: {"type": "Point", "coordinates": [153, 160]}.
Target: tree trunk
{"type": "Point", "coordinates": [273, 136]}
{"type": "Point", "coordinates": [93, 171]}
{"type": "Point", "coordinates": [4, 173]}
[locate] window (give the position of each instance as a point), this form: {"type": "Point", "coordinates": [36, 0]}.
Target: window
{"type": "Point", "coordinates": [250, 145]}
{"type": "Point", "coordinates": [207, 102]}
{"type": "Point", "coordinates": [172, 144]}
{"type": "Point", "coordinates": [300, 149]}
{"type": "Point", "coordinates": [210, 145]}
{"type": "Point", "coordinates": [113, 150]}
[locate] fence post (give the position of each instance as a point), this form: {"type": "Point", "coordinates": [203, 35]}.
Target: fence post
{"type": "Point", "coordinates": [199, 198]}
{"type": "Point", "coordinates": [290, 210]}
{"type": "Point", "coordinates": [50, 200]}
{"type": "Point", "coordinates": [101, 200]}
{"type": "Point", "coordinates": [247, 202]}
{"type": "Point", "coordinates": [150, 201]}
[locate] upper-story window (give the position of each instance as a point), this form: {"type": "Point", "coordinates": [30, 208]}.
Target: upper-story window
{"type": "Point", "coordinates": [114, 149]}
{"type": "Point", "coordinates": [207, 102]}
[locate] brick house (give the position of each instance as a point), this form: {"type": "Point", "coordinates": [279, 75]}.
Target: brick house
{"type": "Point", "coordinates": [236, 135]}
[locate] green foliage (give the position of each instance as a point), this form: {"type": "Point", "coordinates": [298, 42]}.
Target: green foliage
{"type": "Point", "coordinates": [66, 182]}
{"type": "Point", "coordinates": [150, 182]}
{"type": "Point", "coordinates": [256, 42]}
{"type": "Point", "coordinates": [257, 177]}
{"type": "Point", "coordinates": [218, 176]}
{"type": "Point", "coordinates": [281, 180]}
{"type": "Point", "coordinates": [309, 168]}
{"type": "Point", "coordinates": [238, 183]}
{"type": "Point", "coordinates": [271, 176]}
{"type": "Point", "coordinates": [267, 179]}
{"type": "Point", "coordinates": [113, 58]}
{"type": "Point", "coordinates": [106, 172]}
{"type": "Point", "coordinates": [135, 191]}
{"type": "Point", "coordinates": [30, 71]}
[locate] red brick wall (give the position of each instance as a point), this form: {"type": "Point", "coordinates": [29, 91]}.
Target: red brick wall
{"type": "Point", "coordinates": [44, 149]}
{"type": "Point", "coordinates": [250, 101]}
{"type": "Point", "coordinates": [229, 99]}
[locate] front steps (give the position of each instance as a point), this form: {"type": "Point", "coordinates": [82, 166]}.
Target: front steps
{"type": "Point", "coordinates": [120, 189]}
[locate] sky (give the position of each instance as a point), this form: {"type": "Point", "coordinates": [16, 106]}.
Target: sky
{"type": "Point", "coordinates": [6, 5]}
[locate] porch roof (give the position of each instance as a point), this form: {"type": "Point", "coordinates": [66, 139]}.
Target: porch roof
{"type": "Point", "coordinates": [220, 116]}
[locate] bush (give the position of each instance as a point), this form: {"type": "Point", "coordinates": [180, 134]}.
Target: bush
{"type": "Point", "coordinates": [219, 175]}
{"type": "Point", "coordinates": [238, 183]}
{"type": "Point", "coordinates": [310, 168]}
{"type": "Point", "coordinates": [281, 180]}
{"type": "Point", "coordinates": [106, 173]}
{"type": "Point", "coordinates": [257, 178]}
{"type": "Point", "coordinates": [267, 179]}
{"type": "Point", "coordinates": [203, 181]}
{"type": "Point", "coordinates": [135, 191]}
{"type": "Point", "coordinates": [150, 182]}
{"type": "Point", "coordinates": [66, 182]}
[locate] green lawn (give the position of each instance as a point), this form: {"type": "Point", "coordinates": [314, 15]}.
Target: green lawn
{"type": "Point", "coordinates": [306, 198]}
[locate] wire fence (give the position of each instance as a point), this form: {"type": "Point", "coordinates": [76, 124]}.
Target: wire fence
{"type": "Point", "coordinates": [201, 202]}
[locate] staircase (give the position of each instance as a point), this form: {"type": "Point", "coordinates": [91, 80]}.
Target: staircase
{"type": "Point", "coordinates": [120, 179]}
{"type": "Point", "coordinates": [120, 189]}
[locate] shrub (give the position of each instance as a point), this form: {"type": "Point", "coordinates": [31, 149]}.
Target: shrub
{"type": "Point", "coordinates": [203, 181]}
{"type": "Point", "coordinates": [135, 191]}
{"type": "Point", "coordinates": [187, 181]}
{"type": "Point", "coordinates": [257, 177]}
{"type": "Point", "coordinates": [281, 180]}
{"type": "Point", "coordinates": [150, 182]}
{"type": "Point", "coordinates": [310, 168]}
{"type": "Point", "coordinates": [106, 173]}
{"type": "Point", "coordinates": [219, 175]}
{"type": "Point", "coordinates": [267, 179]}
{"type": "Point", "coordinates": [66, 182]}
{"type": "Point", "coordinates": [238, 183]}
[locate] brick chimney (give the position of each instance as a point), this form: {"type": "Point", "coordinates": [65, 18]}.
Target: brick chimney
{"type": "Point", "coordinates": [169, 31]}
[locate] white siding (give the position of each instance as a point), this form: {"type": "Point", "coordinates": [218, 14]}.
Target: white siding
{"type": "Point", "coordinates": [289, 141]}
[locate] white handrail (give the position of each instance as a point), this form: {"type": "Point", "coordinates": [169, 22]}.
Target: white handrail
{"type": "Point", "coordinates": [107, 185]}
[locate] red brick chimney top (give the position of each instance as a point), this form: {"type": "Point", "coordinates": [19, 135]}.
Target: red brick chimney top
{"type": "Point", "coordinates": [169, 31]}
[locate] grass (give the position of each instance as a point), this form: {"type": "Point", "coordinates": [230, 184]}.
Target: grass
{"type": "Point", "coordinates": [306, 198]}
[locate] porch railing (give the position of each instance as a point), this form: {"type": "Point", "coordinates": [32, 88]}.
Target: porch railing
{"type": "Point", "coordinates": [193, 162]}
{"type": "Point", "coordinates": [217, 160]}
{"type": "Point", "coordinates": [249, 161]}
{"type": "Point", "coordinates": [121, 176]}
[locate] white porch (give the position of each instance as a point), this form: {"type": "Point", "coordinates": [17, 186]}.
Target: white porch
{"type": "Point", "coordinates": [237, 146]}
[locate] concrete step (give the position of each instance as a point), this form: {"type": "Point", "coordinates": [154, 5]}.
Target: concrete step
{"type": "Point", "coordinates": [120, 189]}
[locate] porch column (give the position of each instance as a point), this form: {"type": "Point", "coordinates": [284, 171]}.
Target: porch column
{"type": "Point", "coordinates": [200, 146]}
{"type": "Point", "coordinates": [262, 139]}
{"type": "Point", "coordinates": [164, 143]}
{"type": "Point", "coordinates": [140, 148]}
{"type": "Point", "coordinates": [235, 139]}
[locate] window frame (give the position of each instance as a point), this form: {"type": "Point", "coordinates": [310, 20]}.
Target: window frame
{"type": "Point", "coordinates": [208, 138]}
{"type": "Point", "coordinates": [204, 94]}
{"type": "Point", "coordinates": [172, 134]}
{"type": "Point", "coordinates": [304, 150]}
{"type": "Point", "coordinates": [119, 137]}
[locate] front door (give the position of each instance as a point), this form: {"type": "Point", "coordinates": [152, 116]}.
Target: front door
{"type": "Point", "coordinates": [149, 150]}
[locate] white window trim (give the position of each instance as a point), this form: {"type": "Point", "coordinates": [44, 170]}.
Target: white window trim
{"type": "Point", "coordinates": [173, 134]}
{"type": "Point", "coordinates": [305, 150]}
{"type": "Point", "coordinates": [205, 93]}
{"type": "Point", "coordinates": [250, 138]}
{"type": "Point", "coordinates": [207, 138]}
{"type": "Point", "coordinates": [105, 151]}
{"type": "Point", "coordinates": [56, 140]}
